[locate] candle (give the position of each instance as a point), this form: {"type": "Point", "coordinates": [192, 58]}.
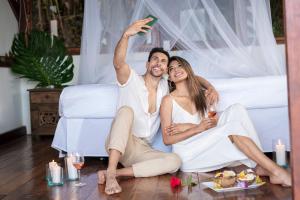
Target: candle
{"type": "Point", "coordinates": [56, 174]}
{"type": "Point", "coordinates": [52, 164]}
{"type": "Point", "coordinates": [72, 171]}
{"type": "Point", "coordinates": [53, 27]}
{"type": "Point", "coordinates": [49, 166]}
{"type": "Point", "coordinates": [280, 153]}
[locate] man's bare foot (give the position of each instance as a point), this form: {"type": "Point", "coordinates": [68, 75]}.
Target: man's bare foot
{"type": "Point", "coordinates": [101, 176]}
{"type": "Point", "coordinates": [282, 177]}
{"type": "Point", "coordinates": [261, 171]}
{"type": "Point", "coordinates": [112, 186]}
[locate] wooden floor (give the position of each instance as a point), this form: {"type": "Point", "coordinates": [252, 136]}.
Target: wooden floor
{"type": "Point", "coordinates": [22, 176]}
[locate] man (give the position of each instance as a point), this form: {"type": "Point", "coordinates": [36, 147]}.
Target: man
{"type": "Point", "coordinates": [137, 119]}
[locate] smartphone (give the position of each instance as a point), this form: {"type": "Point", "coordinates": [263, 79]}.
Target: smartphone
{"type": "Point", "coordinates": [149, 23]}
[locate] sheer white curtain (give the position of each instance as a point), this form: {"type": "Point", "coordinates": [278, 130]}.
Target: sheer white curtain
{"type": "Point", "coordinates": [220, 38]}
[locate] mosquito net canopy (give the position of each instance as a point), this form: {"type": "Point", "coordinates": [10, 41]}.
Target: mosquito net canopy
{"type": "Point", "coordinates": [220, 38]}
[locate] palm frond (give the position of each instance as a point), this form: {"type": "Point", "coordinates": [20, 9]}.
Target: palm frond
{"type": "Point", "coordinates": [43, 59]}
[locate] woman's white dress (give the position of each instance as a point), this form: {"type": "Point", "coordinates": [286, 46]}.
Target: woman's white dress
{"type": "Point", "coordinates": [212, 149]}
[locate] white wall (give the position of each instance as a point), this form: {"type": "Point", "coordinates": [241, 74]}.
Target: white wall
{"type": "Point", "coordinates": [8, 27]}
{"type": "Point", "coordinates": [10, 99]}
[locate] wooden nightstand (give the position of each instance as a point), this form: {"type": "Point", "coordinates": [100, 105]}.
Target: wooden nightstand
{"type": "Point", "coordinates": [44, 110]}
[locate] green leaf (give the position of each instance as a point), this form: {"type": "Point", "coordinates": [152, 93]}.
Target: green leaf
{"type": "Point", "coordinates": [188, 182]}
{"type": "Point", "coordinates": [43, 59]}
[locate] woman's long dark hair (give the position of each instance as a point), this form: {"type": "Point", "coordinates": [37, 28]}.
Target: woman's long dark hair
{"type": "Point", "coordinates": [194, 85]}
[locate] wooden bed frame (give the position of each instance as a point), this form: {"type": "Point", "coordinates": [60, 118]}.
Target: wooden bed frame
{"type": "Point", "coordinates": [292, 32]}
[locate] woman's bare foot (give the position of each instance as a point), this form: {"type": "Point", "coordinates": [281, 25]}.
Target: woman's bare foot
{"type": "Point", "coordinates": [282, 177]}
{"type": "Point", "coordinates": [112, 186]}
{"type": "Point", "coordinates": [261, 171]}
{"type": "Point", "coordinates": [101, 177]}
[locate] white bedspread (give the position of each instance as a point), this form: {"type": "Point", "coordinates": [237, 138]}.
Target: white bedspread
{"type": "Point", "coordinates": [254, 92]}
{"type": "Point", "coordinates": [89, 101]}
{"type": "Point", "coordinates": [100, 101]}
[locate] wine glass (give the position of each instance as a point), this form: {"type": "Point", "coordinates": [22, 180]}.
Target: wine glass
{"type": "Point", "coordinates": [212, 111]}
{"type": "Point", "coordinates": [78, 163]}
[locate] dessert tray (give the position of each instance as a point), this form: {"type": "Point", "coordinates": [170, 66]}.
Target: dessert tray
{"type": "Point", "coordinates": [211, 185]}
{"type": "Point", "coordinates": [228, 181]}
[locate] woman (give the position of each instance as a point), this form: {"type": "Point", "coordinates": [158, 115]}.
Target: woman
{"type": "Point", "coordinates": [206, 144]}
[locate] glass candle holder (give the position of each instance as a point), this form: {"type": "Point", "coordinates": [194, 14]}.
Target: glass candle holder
{"type": "Point", "coordinates": [54, 175]}
{"type": "Point", "coordinates": [279, 152]}
{"type": "Point", "coordinates": [71, 171]}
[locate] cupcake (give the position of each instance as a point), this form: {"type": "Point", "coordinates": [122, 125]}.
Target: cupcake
{"type": "Point", "coordinates": [225, 179]}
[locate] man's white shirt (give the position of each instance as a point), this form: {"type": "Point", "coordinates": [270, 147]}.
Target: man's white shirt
{"type": "Point", "coordinates": [134, 94]}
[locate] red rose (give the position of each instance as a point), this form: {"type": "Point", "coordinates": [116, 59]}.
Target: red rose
{"type": "Point", "coordinates": [175, 182]}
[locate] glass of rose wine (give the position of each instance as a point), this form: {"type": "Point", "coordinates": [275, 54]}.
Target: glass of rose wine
{"type": "Point", "coordinates": [78, 163]}
{"type": "Point", "coordinates": [212, 111]}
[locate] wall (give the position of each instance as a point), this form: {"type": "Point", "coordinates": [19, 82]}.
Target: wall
{"type": "Point", "coordinates": [8, 27]}
{"type": "Point", "coordinates": [10, 101]}
{"type": "Point", "coordinates": [10, 98]}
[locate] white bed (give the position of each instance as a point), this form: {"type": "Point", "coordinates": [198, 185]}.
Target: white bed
{"type": "Point", "coordinates": [87, 112]}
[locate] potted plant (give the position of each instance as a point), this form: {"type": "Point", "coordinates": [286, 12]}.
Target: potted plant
{"type": "Point", "coordinates": [42, 57]}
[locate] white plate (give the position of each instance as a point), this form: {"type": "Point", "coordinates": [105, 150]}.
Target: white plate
{"type": "Point", "coordinates": [230, 189]}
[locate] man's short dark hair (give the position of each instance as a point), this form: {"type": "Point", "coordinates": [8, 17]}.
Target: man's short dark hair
{"type": "Point", "coordinates": [158, 50]}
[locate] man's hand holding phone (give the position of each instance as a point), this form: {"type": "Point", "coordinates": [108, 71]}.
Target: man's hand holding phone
{"type": "Point", "coordinates": [140, 26]}
{"type": "Point", "coordinates": [151, 23]}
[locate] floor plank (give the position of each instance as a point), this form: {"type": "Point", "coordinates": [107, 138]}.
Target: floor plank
{"type": "Point", "coordinates": [22, 176]}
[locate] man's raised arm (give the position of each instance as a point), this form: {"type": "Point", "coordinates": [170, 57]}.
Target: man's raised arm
{"type": "Point", "coordinates": [121, 67]}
